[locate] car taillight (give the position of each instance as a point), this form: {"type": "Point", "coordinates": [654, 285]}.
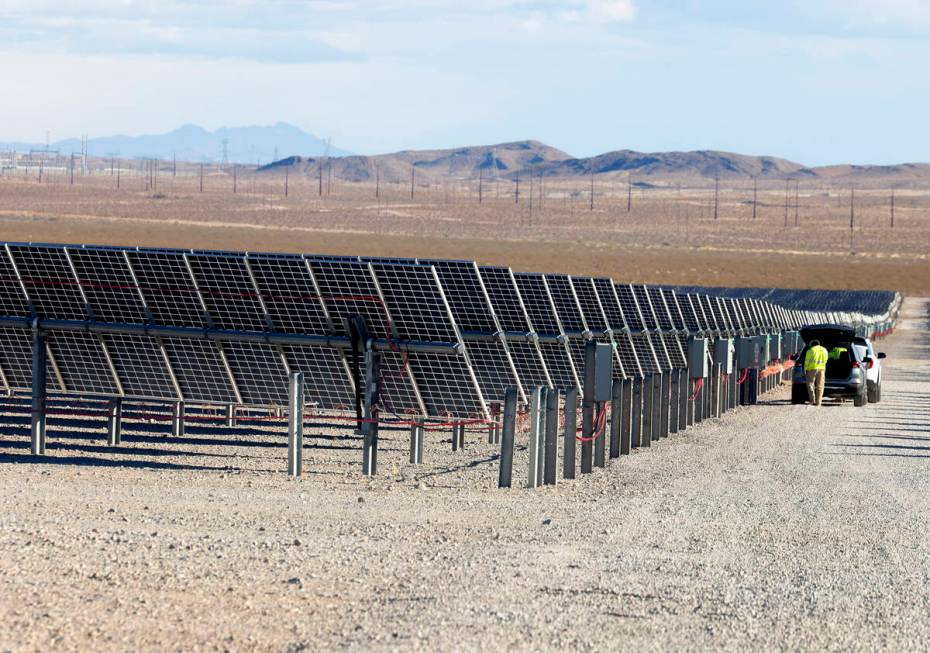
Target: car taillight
{"type": "Point", "coordinates": [856, 365]}
{"type": "Point", "coordinates": [871, 364]}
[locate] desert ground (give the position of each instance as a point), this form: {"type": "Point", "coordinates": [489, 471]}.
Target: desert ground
{"type": "Point", "coordinates": [775, 526]}
{"type": "Point", "coordinates": [668, 235]}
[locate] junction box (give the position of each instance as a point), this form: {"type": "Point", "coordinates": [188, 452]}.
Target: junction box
{"type": "Point", "coordinates": [697, 358]}
{"type": "Point", "coordinates": [723, 354]}
{"type": "Point", "coordinates": [748, 353]}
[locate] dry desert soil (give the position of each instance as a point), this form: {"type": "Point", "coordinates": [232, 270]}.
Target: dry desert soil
{"type": "Point", "coordinates": [773, 527]}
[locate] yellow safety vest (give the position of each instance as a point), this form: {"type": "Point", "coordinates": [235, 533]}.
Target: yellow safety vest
{"type": "Point", "coordinates": [836, 352]}
{"type": "Point", "coordinates": [816, 359]}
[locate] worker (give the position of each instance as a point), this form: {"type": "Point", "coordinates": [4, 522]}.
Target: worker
{"type": "Point", "coordinates": [815, 370]}
{"type": "Point", "coordinates": [836, 352]}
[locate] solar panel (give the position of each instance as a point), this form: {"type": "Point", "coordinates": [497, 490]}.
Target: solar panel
{"type": "Point", "coordinates": [596, 318]}
{"type": "Point", "coordinates": [512, 316]}
{"type": "Point", "coordinates": [631, 312]}
{"type": "Point", "coordinates": [471, 309]}
{"type": "Point", "coordinates": [629, 363]}
{"type": "Point", "coordinates": [553, 343]}
{"type": "Point", "coordinates": [49, 281]}
{"type": "Point", "coordinates": [645, 308]}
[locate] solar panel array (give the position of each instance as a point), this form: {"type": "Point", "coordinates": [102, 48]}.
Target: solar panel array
{"type": "Point", "coordinates": [229, 327]}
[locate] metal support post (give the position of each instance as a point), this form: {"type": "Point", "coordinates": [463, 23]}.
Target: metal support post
{"type": "Point", "coordinates": [657, 384]}
{"type": "Point", "coordinates": [538, 399]}
{"type": "Point", "coordinates": [616, 417]}
{"type": "Point", "coordinates": [177, 419]}
{"type": "Point", "coordinates": [551, 457]}
{"type": "Point", "coordinates": [114, 422]}
{"type": "Point", "coordinates": [569, 437]}
{"type": "Point", "coordinates": [636, 415]}
{"type": "Point", "coordinates": [494, 435]}
{"type": "Point", "coordinates": [231, 420]}
{"type": "Point", "coordinates": [626, 409]}
{"type": "Point", "coordinates": [416, 444]}
{"type": "Point", "coordinates": [683, 402]}
{"type": "Point", "coordinates": [372, 399]}
{"type": "Point", "coordinates": [674, 403]}
{"type": "Point", "coordinates": [507, 437]}
{"type": "Point", "coordinates": [665, 417]}
{"type": "Point", "coordinates": [648, 411]}
{"type": "Point", "coordinates": [587, 408]}
{"type": "Point", "coordinates": [39, 393]}
{"type": "Point", "coordinates": [295, 425]}
{"type": "Point", "coordinates": [717, 394]}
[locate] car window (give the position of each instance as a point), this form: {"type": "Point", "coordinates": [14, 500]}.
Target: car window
{"type": "Point", "coordinates": [861, 351]}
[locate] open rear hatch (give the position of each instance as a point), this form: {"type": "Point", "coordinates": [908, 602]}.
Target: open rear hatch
{"type": "Point", "coordinates": [830, 336]}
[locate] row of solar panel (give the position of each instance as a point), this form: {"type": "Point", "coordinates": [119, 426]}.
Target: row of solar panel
{"type": "Point", "coordinates": [827, 303]}
{"type": "Point", "coordinates": [500, 329]}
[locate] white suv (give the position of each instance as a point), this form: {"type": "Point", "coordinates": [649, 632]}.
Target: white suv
{"type": "Point", "coordinates": [873, 366]}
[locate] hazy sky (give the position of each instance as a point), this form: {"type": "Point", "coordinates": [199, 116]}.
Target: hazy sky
{"type": "Point", "coordinates": [819, 81]}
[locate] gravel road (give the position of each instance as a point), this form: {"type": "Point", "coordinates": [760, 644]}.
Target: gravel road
{"type": "Point", "coordinates": [777, 527]}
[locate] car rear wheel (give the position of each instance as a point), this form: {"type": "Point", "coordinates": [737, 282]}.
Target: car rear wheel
{"type": "Point", "coordinates": [861, 399]}
{"type": "Point", "coordinates": [798, 393]}
{"type": "Point", "coordinates": [875, 393]}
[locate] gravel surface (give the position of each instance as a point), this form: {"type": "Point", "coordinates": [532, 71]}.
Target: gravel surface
{"type": "Point", "coordinates": [777, 526]}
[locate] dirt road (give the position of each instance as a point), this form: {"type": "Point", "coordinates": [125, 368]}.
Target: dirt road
{"type": "Point", "coordinates": [777, 526]}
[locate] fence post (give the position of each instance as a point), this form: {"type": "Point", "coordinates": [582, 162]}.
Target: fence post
{"type": "Point", "coordinates": [39, 394]}
{"type": "Point", "coordinates": [509, 428]}
{"type": "Point", "coordinates": [569, 437]}
{"type": "Point", "coordinates": [295, 425]}
{"type": "Point", "coordinates": [551, 457]}
{"type": "Point", "coordinates": [114, 422]}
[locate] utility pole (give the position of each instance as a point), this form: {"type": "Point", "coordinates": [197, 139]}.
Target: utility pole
{"type": "Point", "coordinates": [516, 193]}
{"type": "Point", "coordinates": [852, 216]}
{"type": "Point", "coordinates": [377, 183]}
{"type": "Point", "coordinates": [787, 182]}
{"type": "Point", "coordinates": [629, 193]}
{"type": "Point", "coordinates": [201, 176]}
{"type": "Point", "coordinates": [286, 171]}
{"type": "Point", "coordinates": [480, 185]}
{"type": "Point", "coordinates": [235, 178]}
{"type": "Point", "coordinates": [892, 207]}
{"type": "Point", "coordinates": [591, 207]}
{"type": "Point", "coordinates": [119, 169]}
{"type": "Point", "coordinates": [174, 164]}
{"type": "Point", "coordinates": [72, 168]}
{"type": "Point", "coordinates": [716, 196]}
{"type": "Point", "coordinates": [755, 196]}
{"type": "Point", "coordinates": [321, 178]}
{"type": "Point", "coordinates": [413, 173]}
{"type": "Point", "coordinates": [797, 203]}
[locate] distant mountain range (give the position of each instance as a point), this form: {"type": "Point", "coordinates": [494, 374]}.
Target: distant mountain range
{"type": "Point", "coordinates": [273, 147]}
{"type": "Point", "coordinates": [524, 158]}
{"type": "Point", "coordinates": [253, 145]}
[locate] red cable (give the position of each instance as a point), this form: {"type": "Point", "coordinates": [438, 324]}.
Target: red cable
{"type": "Point", "coordinates": [697, 388]}
{"type": "Point", "coordinates": [743, 378]}
{"type": "Point", "coordinates": [602, 421]}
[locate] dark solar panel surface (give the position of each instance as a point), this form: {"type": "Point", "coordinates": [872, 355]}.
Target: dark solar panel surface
{"type": "Point", "coordinates": [560, 288]}
{"type": "Point", "coordinates": [536, 299]}
{"type": "Point", "coordinates": [645, 307]}
{"type": "Point", "coordinates": [628, 304]}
